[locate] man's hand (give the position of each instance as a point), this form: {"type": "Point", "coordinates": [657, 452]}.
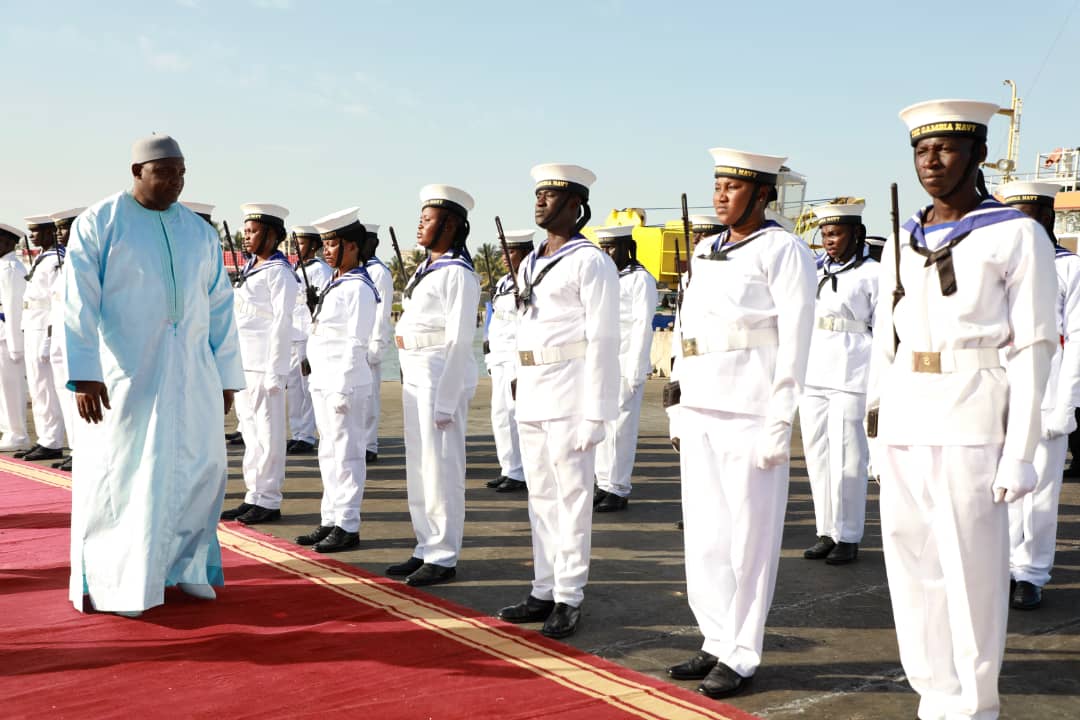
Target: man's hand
{"type": "Point", "coordinates": [228, 396]}
{"type": "Point", "coordinates": [90, 397]}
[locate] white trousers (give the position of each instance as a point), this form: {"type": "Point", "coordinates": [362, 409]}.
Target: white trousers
{"type": "Point", "coordinates": [560, 482]}
{"type": "Point", "coordinates": [504, 423]}
{"type": "Point", "coordinates": [946, 549]}
{"type": "Point", "coordinates": [615, 455]}
{"type": "Point", "coordinates": [13, 398]}
{"type": "Point", "coordinates": [45, 404]}
{"type": "Point", "coordinates": [837, 455]}
{"type": "Point", "coordinates": [65, 398]}
{"type": "Point", "coordinates": [341, 458]}
{"type": "Point", "coordinates": [733, 519]}
{"type": "Point", "coordinates": [298, 398]}
{"type": "Point", "coordinates": [1033, 518]}
{"type": "Point", "coordinates": [262, 422]}
{"type": "Point", "coordinates": [435, 475]}
{"type": "Point", "coordinates": [374, 407]}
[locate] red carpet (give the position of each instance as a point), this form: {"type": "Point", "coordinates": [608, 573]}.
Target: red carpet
{"type": "Point", "coordinates": [292, 635]}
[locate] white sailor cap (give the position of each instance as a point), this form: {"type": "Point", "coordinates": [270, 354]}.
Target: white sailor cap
{"type": "Point", "coordinates": [613, 233]}
{"type": "Point", "coordinates": [66, 217]}
{"type": "Point", "coordinates": [39, 222]}
{"type": "Point", "coordinates": [204, 209]}
{"type": "Point", "coordinates": [830, 214]}
{"type": "Point", "coordinates": [11, 230]}
{"type": "Point", "coordinates": [265, 213]}
{"type": "Point", "coordinates": [343, 224]}
{"type": "Point", "coordinates": [371, 228]}
{"type": "Point", "coordinates": [741, 165]}
{"type": "Point", "coordinates": [1034, 193]}
{"type": "Point", "coordinates": [304, 231]}
{"type": "Point", "coordinates": [948, 118]}
{"type": "Point", "coordinates": [876, 240]}
{"type": "Point", "coordinates": [447, 196]}
{"type": "Point", "coordinates": [705, 224]}
{"type": "Point", "coordinates": [519, 238]}
{"type": "Point", "coordinates": [562, 176]}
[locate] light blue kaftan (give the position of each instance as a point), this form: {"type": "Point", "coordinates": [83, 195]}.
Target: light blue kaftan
{"type": "Point", "coordinates": [149, 313]}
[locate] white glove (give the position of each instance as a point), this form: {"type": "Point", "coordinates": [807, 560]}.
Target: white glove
{"type": "Point", "coordinates": [626, 391]}
{"type": "Point", "coordinates": [873, 467]}
{"type": "Point", "coordinates": [373, 357]}
{"type": "Point", "coordinates": [1013, 480]}
{"type": "Point", "coordinates": [15, 357]}
{"type": "Point", "coordinates": [274, 383]}
{"type": "Point", "coordinates": [773, 445]}
{"type": "Point", "coordinates": [46, 347]}
{"type": "Point", "coordinates": [673, 427]}
{"type": "Point", "coordinates": [443, 420]}
{"type": "Point", "coordinates": [339, 402]}
{"type": "Point", "coordinates": [1061, 421]}
{"type": "Point", "coordinates": [590, 433]}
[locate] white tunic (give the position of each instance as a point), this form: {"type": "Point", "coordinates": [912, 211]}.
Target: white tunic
{"type": "Point", "coordinates": [637, 305]}
{"type": "Point", "coordinates": [318, 274]}
{"type": "Point", "coordinates": [503, 328]}
{"type": "Point", "coordinates": [37, 298]}
{"type": "Point", "coordinates": [264, 315]}
{"type": "Point", "coordinates": [840, 355]}
{"type": "Point", "coordinates": [340, 333]}
{"type": "Point", "coordinates": [382, 335]}
{"type": "Point", "coordinates": [1063, 386]}
{"type": "Point", "coordinates": [12, 289]}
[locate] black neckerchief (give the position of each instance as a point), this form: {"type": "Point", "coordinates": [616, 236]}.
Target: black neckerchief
{"type": "Point", "coordinates": [720, 252]}
{"type": "Point", "coordinates": [852, 263]}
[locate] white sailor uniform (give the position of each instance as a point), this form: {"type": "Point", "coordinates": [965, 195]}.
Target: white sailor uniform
{"type": "Point", "coordinates": [745, 326]}
{"type": "Point", "coordinates": [12, 362]}
{"type": "Point", "coordinates": [952, 428]}
{"type": "Point", "coordinates": [1033, 519]}
{"type": "Point", "coordinates": [37, 305]}
{"type": "Point", "coordinates": [65, 398]}
{"type": "Point", "coordinates": [297, 391]}
{"type": "Point", "coordinates": [382, 339]}
{"type": "Point", "coordinates": [501, 361]}
{"type": "Point", "coordinates": [264, 304]}
{"type": "Point", "coordinates": [340, 388]}
{"type": "Point", "coordinates": [833, 406]}
{"type": "Point", "coordinates": [567, 376]}
{"type": "Point", "coordinates": [434, 337]}
{"type": "Point", "coordinates": [637, 305]}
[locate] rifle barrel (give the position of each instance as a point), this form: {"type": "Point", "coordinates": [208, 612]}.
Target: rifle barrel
{"type": "Point", "coordinates": [686, 238]}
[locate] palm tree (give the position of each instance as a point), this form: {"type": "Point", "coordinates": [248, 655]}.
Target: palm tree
{"type": "Point", "coordinates": [401, 275]}
{"type": "Point", "coordinates": [489, 265]}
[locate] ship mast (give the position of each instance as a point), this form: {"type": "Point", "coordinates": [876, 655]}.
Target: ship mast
{"type": "Point", "coordinates": [1007, 164]}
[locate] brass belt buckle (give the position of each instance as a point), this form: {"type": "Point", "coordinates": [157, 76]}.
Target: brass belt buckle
{"type": "Point", "coordinates": [400, 342]}
{"type": "Point", "coordinates": [926, 362]}
{"type": "Point", "coordinates": [526, 357]}
{"type": "Point", "coordinates": [689, 347]}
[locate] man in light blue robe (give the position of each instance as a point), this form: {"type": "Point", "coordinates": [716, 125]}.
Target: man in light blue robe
{"type": "Point", "coordinates": [153, 358]}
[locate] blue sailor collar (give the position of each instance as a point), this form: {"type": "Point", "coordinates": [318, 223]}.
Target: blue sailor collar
{"type": "Point", "coordinates": [720, 248]}
{"type": "Point", "coordinates": [358, 273]}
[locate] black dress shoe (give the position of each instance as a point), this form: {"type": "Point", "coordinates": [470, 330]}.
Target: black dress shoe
{"type": "Point", "coordinates": [598, 496]}
{"type": "Point", "coordinates": [679, 525]}
{"type": "Point", "coordinates": [495, 482]}
{"type": "Point", "coordinates": [66, 465]}
{"type": "Point", "coordinates": [258, 514]}
{"type": "Point", "coordinates": [562, 622]}
{"type": "Point", "coordinates": [23, 453]}
{"type": "Point", "coordinates": [1026, 596]}
{"type": "Point", "coordinates": [696, 668]}
{"type": "Point", "coordinates": [611, 503]}
{"type": "Point", "coordinates": [722, 682]}
{"type": "Point", "coordinates": [338, 540]}
{"type": "Point", "coordinates": [238, 439]}
{"type": "Point", "coordinates": [406, 568]}
{"type": "Point", "coordinates": [236, 511]}
{"type": "Point", "coordinates": [229, 437]}
{"type": "Point", "coordinates": [510, 485]}
{"type": "Point", "coordinates": [300, 447]}
{"type": "Point", "coordinates": [56, 465]}
{"type": "Point", "coordinates": [821, 549]}
{"type": "Point", "coordinates": [315, 536]}
{"type": "Point", "coordinates": [44, 453]}
{"type": "Point", "coordinates": [843, 553]}
{"type": "Point", "coordinates": [371, 457]}
{"type": "Point", "coordinates": [430, 574]}
{"type": "Point", "coordinates": [529, 611]}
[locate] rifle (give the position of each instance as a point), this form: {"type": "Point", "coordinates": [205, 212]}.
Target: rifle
{"type": "Point", "coordinates": [491, 277]}
{"type": "Point", "coordinates": [506, 258]}
{"type": "Point", "coordinates": [232, 251]}
{"type": "Point", "coordinates": [311, 294]}
{"type": "Point", "coordinates": [397, 253]}
{"type": "Point", "coordinates": [686, 239]}
{"type": "Point", "coordinates": [898, 290]}
{"type": "Point", "coordinates": [678, 275]}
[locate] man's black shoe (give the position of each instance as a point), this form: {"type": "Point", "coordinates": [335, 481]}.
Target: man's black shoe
{"type": "Point", "coordinates": [430, 574]}
{"type": "Point", "coordinates": [229, 437]}
{"type": "Point", "coordinates": [821, 549]}
{"type": "Point", "coordinates": [1026, 596]}
{"type": "Point", "coordinates": [406, 568]}
{"type": "Point", "coordinates": [843, 553]}
{"type": "Point", "coordinates": [371, 457]}
{"type": "Point", "coordinates": [722, 682]}
{"type": "Point", "coordinates": [19, 454]}
{"type": "Point", "coordinates": [236, 511]}
{"type": "Point", "coordinates": [529, 611]}
{"type": "Point", "coordinates": [611, 503]}
{"type": "Point", "coordinates": [237, 439]}
{"type": "Point", "coordinates": [315, 536]}
{"type": "Point", "coordinates": [495, 481]}
{"type": "Point", "coordinates": [562, 622]}
{"type": "Point", "coordinates": [66, 465]}
{"type": "Point", "coordinates": [696, 668]}
{"type": "Point", "coordinates": [44, 453]}
{"type": "Point", "coordinates": [338, 540]}
{"type": "Point", "coordinates": [258, 514]}
{"type": "Point", "coordinates": [300, 447]}
{"type": "Point", "coordinates": [510, 485]}
{"type": "Point", "coordinates": [598, 496]}
{"type": "Point", "coordinates": [57, 465]}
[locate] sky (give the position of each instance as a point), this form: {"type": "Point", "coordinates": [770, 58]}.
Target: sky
{"type": "Point", "coordinates": [320, 106]}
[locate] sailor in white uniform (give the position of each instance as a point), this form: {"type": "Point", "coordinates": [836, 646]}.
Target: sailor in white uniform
{"type": "Point", "coordinates": [313, 274]}
{"type": "Point", "coordinates": [37, 341]}
{"type": "Point", "coordinates": [434, 339]}
{"type": "Point", "coordinates": [340, 378]}
{"type": "Point", "coordinates": [956, 435]}
{"type": "Point", "coordinates": [637, 305]}
{"type": "Point", "coordinates": [12, 365]}
{"type": "Point", "coordinates": [382, 339]}
{"type": "Point", "coordinates": [1033, 520]}
{"type": "Point", "coordinates": [500, 356]}
{"type": "Point", "coordinates": [63, 221]}
{"type": "Point", "coordinates": [833, 408]}
{"type": "Point", "coordinates": [567, 392]}
{"type": "Point", "coordinates": [266, 296]}
{"type": "Point", "coordinates": [746, 321]}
